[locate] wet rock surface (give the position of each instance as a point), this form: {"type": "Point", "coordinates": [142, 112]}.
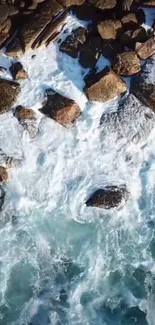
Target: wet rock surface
{"type": "Point", "coordinates": [63, 110]}
{"type": "Point", "coordinates": [147, 49]}
{"type": "Point", "coordinates": [8, 94]}
{"type": "Point", "coordinates": [74, 42]}
{"type": "Point", "coordinates": [104, 86]}
{"type": "Point", "coordinates": [127, 64]}
{"type": "Point", "coordinates": [18, 71]}
{"type": "Point", "coordinates": [107, 198]}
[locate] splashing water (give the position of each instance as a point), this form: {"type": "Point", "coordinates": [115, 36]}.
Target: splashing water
{"type": "Point", "coordinates": [60, 261]}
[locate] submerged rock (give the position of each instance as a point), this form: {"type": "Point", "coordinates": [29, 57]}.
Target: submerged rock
{"type": "Point", "coordinates": [109, 197]}
{"type": "Point", "coordinates": [74, 42]}
{"type": "Point", "coordinates": [8, 94]}
{"type": "Point", "coordinates": [127, 64]}
{"type": "Point", "coordinates": [104, 86]}
{"type": "Point", "coordinates": [62, 109]}
{"type": "Point", "coordinates": [18, 71]}
{"type": "Point", "coordinates": [144, 91]}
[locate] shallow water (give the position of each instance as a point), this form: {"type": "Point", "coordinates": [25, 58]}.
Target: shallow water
{"type": "Point", "coordinates": [60, 261]}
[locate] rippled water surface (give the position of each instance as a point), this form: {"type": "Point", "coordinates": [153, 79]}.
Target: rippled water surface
{"type": "Point", "coordinates": [62, 263]}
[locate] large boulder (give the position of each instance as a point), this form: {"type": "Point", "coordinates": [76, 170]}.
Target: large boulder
{"type": "Point", "coordinates": [63, 110]}
{"type": "Point", "coordinates": [91, 51]}
{"type": "Point", "coordinates": [132, 121]}
{"type": "Point", "coordinates": [74, 42]}
{"type": "Point", "coordinates": [104, 86]}
{"type": "Point", "coordinates": [9, 91]}
{"type": "Point", "coordinates": [147, 49]}
{"type": "Point", "coordinates": [108, 197]}
{"type": "Point", "coordinates": [127, 64]}
{"type": "Point", "coordinates": [110, 30]}
{"type": "Point", "coordinates": [131, 37]}
{"type": "Point", "coordinates": [104, 4]}
{"type": "Point", "coordinates": [18, 71]}
{"type": "Point", "coordinates": [130, 21]}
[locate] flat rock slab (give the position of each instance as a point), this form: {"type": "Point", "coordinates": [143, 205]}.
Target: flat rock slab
{"type": "Point", "coordinates": [109, 197]}
{"type": "Point", "coordinates": [8, 94]}
{"type": "Point", "coordinates": [104, 86]}
{"type": "Point", "coordinates": [63, 110]}
{"type": "Point", "coordinates": [147, 49]}
{"type": "Point", "coordinates": [127, 64]}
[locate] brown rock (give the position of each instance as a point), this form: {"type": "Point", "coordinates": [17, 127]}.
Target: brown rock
{"type": "Point", "coordinates": [4, 33]}
{"type": "Point", "coordinates": [14, 48]}
{"type": "Point", "coordinates": [130, 21]}
{"type": "Point", "coordinates": [22, 114]}
{"type": "Point", "coordinates": [9, 91]}
{"type": "Point", "coordinates": [110, 30]}
{"type": "Point", "coordinates": [131, 37]}
{"type": "Point", "coordinates": [110, 50]}
{"type": "Point", "coordinates": [73, 43]}
{"type": "Point", "coordinates": [104, 86]}
{"type": "Point", "coordinates": [129, 5]}
{"type": "Point", "coordinates": [35, 25]}
{"type": "Point", "coordinates": [62, 109]}
{"type": "Point", "coordinates": [104, 4]}
{"type": "Point", "coordinates": [4, 177]}
{"type": "Point", "coordinates": [109, 197]}
{"type": "Point", "coordinates": [127, 64]}
{"type": "Point", "coordinates": [147, 49]}
{"type": "Point", "coordinates": [17, 71]}
{"type": "Point", "coordinates": [148, 3]}
{"type": "Point", "coordinates": [69, 3]}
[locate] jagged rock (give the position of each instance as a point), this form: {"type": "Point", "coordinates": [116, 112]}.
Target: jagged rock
{"type": "Point", "coordinates": [129, 21]}
{"type": "Point", "coordinates": [9, 91]}
{"type": "Point", "coordinates": [17, 71]}
{"type": "Point", "coordinates": [132, 121]}
{"type": "Point", "coordinates": [127, 64]}
{"type": "Point", "coordinates": [22, 113]}
{"type": "Point", "coordinates": [147, 49]}
{"type": "Point", "coordinates": [104, 86]}
{"type": "Point", "coordinates": [32, 29]}
{"type": "Point", "coordinates": [110, 50]}
{"type": "Point", "coordinates": [129, 5]}
{"type": "Point", "coordinates": [104, 4]}
{"type": "Point", "coordinates": [109, 197]}
{"type": "Point", "coordinates": [2, 197]}
{"type": "Point", "coordinates": [73, 43]}
{"type": "Point", "coordinates": [131, 37]}
{"type": "Point", "coordinates": [88, 57]}
{"type": "Point", "coordinates": [110, 30]}
{"type": "Point", "coordinates": [3, 175]}
{"type": "Point", "coordinates": [148, 3]}
{"type": "Point", "coordinates": [62, 109]}
{"type": "Point", "coordinates": [14, 48]}
{"type": "Point", "coordinates": [69, 3]}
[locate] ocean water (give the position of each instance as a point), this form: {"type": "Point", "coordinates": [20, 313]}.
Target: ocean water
{"type": "Point", "coordinates": [62, 263]}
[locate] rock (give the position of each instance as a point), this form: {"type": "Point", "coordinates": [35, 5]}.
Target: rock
{"type": "Point", "coordinates": [145, 92]}
{"type": "Point", "coordinates": [17, 71]}
{"type": "Point", "coordinates": [62, 109]}
{"type": "Point", "coordinates": [14, 48]}
{"type": "Point", "coordinates": [104, 86]}
{"type": "Point", "coordinates": [147, 49]}
{"type": "Point", "coordinates": [127, 64]}
{"type": "Point", "coordinates": [104, 4]}
{"type": "Point", "coordinates": [4, 33]}
{"type": "Point", "coordinates": [131, 37]}
{"type": "Point", "coordinates": [88, 57]}
{"type": "Point", "coordinates": [110, 50]}
{"type": "Point", "coordinates": [3, 175]}
{"type": "Point", "coordinates": [148, 3]}
{"type": "Point", "coordinates": [22, 113]}
{"type": "Point", "coordinates": [69, 3]}
{"type": "Point", "coordinates": [9, 91]}
{"type": "Point", "coordinates": [110, 30]}
{"type": "Point", "coordinates": [3, 69]}
{"type": "Point", "coordinates": [129, 5]}
{"type": "Point", "coordinates": [129, 21]}
{"type": "Point", "coordinates": [109, 197]}
{"type": "Point", "coordinates": [2, 197]}
{"type": "Point", "coordinates": [32, 29]}
{"type": "Point", "coordinates": [132, 121]}
{"type": "Point", "coordinates": [74, 42]}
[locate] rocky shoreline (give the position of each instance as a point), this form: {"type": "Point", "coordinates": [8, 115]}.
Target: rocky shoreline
{"type": "Point", "coordinates": [115, 30]}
